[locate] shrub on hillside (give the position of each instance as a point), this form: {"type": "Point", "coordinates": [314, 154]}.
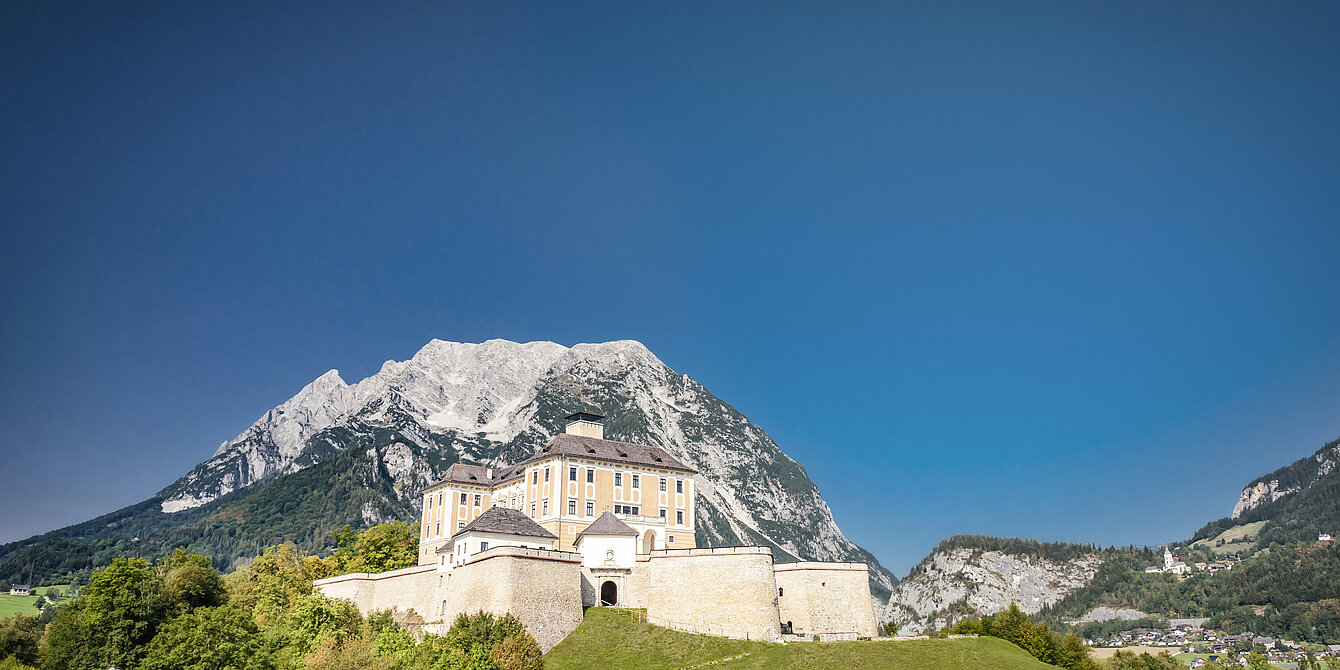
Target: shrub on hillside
{"type": "Point", "coordinates": [19, 638]}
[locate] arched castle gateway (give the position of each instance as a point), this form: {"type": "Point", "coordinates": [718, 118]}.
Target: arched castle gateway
{"type": "Point", "coordinates": [589, 521]}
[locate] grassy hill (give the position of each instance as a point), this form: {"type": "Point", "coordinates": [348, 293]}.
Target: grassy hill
{"type": "Point", "coordinates": [611, 639]}
{"type": "Point", "coordinates": [11, 605]}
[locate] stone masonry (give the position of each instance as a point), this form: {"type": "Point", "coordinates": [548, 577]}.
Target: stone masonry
{"type": "Point", "coordinates": [828, 599]}
{"type": "Point", "coordinates": [726, 591]}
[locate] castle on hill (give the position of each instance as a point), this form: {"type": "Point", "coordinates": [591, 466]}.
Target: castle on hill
{"type": "Point", "coordinates": [594, 522]}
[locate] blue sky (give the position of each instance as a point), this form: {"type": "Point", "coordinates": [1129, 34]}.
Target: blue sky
{"type": "Point", "coordinates": [1050, 270]}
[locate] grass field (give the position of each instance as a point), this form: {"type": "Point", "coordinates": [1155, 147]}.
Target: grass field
{"type": "Point", "coordinates": [610, 639]}
{"type": "Point", "coordinates": [1238, 539]}
{"type": "Point", "coordinates": [11, 605]}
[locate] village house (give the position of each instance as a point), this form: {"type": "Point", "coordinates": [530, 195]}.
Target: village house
{"type": "Point", "coordinates": [20, 590]}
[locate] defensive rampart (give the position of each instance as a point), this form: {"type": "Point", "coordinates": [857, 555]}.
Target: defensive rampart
{"type": "Point", "coordinates": [541, 588]}
{"type": "Point", "coordinates": [728, 591]}
{"type": "Point", "coordinates": [827, 599]}
{"type": "Point", "coordinates": [400, 591]}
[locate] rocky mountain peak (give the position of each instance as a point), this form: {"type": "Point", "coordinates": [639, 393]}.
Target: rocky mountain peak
{"type": "Point", "coordinates": [497, 402]}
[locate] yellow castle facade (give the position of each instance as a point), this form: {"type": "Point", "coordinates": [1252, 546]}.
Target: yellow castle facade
{"type": "Point", "coordinates": [572, 481]}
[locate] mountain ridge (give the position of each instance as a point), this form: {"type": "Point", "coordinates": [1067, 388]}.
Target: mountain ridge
{"type": "Point", "coordinates": [379, 441]}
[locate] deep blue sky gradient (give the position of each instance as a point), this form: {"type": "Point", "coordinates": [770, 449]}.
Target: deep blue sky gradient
{"type": "Point", "coordinates": [1046, 269]}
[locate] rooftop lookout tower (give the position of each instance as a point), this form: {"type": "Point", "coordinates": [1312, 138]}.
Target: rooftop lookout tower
{"type": "Point", "coordinates": [585, 424]}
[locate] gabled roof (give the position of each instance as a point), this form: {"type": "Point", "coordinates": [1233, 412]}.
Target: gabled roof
{"type": "Point", "coordinates": [505, 521]}
{"type": "Point", "coordinates": [466, 473]}
{"type": "Point", "coordinates": [607, 524]}
{"type": "Point", "coordinates": [567, 444]}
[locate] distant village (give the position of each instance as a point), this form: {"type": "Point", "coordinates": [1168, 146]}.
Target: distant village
{"type": "Point", "coordinates": [1176, 567]}
{"type": "Point", "coordinates": [1191, 637]}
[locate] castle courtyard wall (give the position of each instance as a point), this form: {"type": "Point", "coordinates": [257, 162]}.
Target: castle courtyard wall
{"type": "Point", "coordinates": [405, 592]}
{"type": "Point", "coordinates": [542, 588]}
{"type": "Point", "coordinates": [728, 591]}
{"type": "Point", "coordinates": [827, 599]}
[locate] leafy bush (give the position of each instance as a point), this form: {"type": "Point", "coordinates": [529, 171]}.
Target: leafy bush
{"type": "Point", "coordinates": [1037, 639]}
{"type": "Point", "coordinates": [19, 638]}
{"type": "Point", "coordinates": [208, 638]}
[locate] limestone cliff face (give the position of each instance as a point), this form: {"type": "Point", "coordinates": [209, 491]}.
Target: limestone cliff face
{"type": "Point", "coordinates": [1260, 493]}
{"type": "Point", "coordinates": [1286, 481]}
{"type": "Point", "coordinates": [962, 582]}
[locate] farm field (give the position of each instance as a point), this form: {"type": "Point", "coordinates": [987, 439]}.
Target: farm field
{"type": "Point", "coordinates": [11, 605]}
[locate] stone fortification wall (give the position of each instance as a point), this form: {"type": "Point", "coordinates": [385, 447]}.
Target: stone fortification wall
{"type": "Point", "coordinates": [542, 588]}
{"type": "Point", "coordinates": [728, 591]}
{"type": "Point", "coordinates": [639, 583]}
{"type": "Point", "coordinates": [400, 591]}
{"type": "Point", "coordinates": [831, 600]}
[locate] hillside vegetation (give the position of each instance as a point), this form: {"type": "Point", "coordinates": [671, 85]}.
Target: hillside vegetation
{"type": "Point", "coordinates": [180, 614]}
{"type": "Point", "coordinates": [611, 639]}
{"type": "Point", "coordinates": [1297, 517]}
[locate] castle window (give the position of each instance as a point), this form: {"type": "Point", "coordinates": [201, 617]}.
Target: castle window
{"type": "Point", "coordinates": [535, 477]}
{"type": "Point", "coordinates": [546, 474]}
{"type": "Point", "coordinates": [590, 508]}
{"type": "Point", "coordinates": [439, 529]}
{"type": "Point", "coordinates": [462, 498]}
{"type": "Point", "coordinates": [662, 483]}
{"type": "Point", "coordinates": [618, 479]}
{"type": "Point", "coordinates": [532, 510]}
{"type": "Point", "coordinates": [679, 486]}
{"type": "Point", "coordinates": [439, 500]}
{"type": "Point", "coordinates": [476, 500]}
{"type": "Point", "coordinates": [546, 508]}
{"type": "Point", "coordinates": [572, 507]}
{"type": "Point", "coordinates": [430, 502]}
{"type": "Point", "coordinates": [483, 546]}
{"type": "Point", "coordinates": [669, 539]}
{"type": "Point", "coordinates": [590, 475]}
{"type": "Point", "coordinates": [572, 474]}
{"type": "Point", "coordinates": [663, 514]}
{"type": "Point", "coordinates": [636, 484]}
{"type": "Point", "coordinates": [460, 524]}
{"type": "Point", "coordinates": [779, 592]}
{"type": "Point", "coordinates": [679, 517]}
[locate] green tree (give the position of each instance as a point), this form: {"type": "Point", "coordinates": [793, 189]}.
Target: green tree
{"type": "Point", "coordinates": [208, 638]}
{"type": "Point", "coordinates": [19, 638]}
{"type": "Point", "coordinates": [387, 546]}
{"type": "Point", "coordinates": [1256, 661]}
{"type": "Point", "coordinates": [276, 580]}
{"type": "Point", "coordinates": [518, 651]}
{"type": "Point", "coordinates": [66, 643]}
{"type": "Point", "coordinates": [191, 581]}
{"type": "Point", "coordinates": [122, 608]}
{"type": "Point", "coordinates": [315, 617]}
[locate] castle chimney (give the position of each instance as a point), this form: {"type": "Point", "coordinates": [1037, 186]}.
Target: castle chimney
{"type": "Point", "coordinates": [586, 424]}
